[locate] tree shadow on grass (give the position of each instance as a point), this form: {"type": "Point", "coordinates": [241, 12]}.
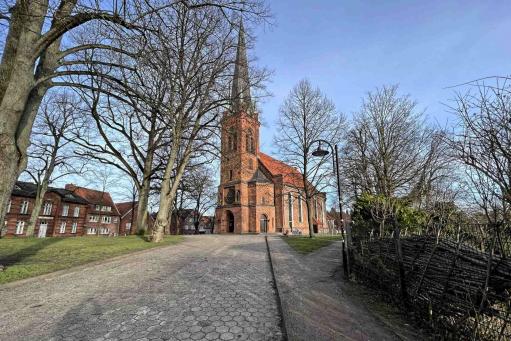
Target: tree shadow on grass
{"type": "Point", "coordinates": [20, 255]}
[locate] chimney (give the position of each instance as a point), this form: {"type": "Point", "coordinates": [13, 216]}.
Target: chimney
{"type": "Point", "coordinates": [70, 187]}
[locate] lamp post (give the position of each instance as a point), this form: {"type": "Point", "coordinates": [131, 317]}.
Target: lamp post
{"type": "Point", "coordinates": [335, 162]}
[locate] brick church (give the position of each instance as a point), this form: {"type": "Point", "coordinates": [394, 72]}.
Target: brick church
{"type": "Point", "coordinates": [257, 193]}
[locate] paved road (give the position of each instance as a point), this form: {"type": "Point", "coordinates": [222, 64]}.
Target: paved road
{"type": "Point", "coordinates": [207, 288]}
{"type": "Point", "coordinates": [318, 304]}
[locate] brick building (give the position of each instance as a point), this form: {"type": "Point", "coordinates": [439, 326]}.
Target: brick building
{"type": "Point", "coordinates": [63, 213]}
{"type": "Point", "coordinates": [257, 193]}
{"type": "Point", "coordinates": [103, 218]}
{"type": "Point", "coordinates": [128, 212]}
{"type": "Point", "coordinates": [183, 222]}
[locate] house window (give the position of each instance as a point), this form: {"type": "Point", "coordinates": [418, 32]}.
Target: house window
{"type": "Point", "coordinates": [73, 227]}
{"type": "Point", "coordinates": [65, 210]}
{"type": "Point", "coordinates": [76, 212]}
{"type": "Point", "coordinates": [128, 226]}
{"type": "Point", "coordinates": [290, 209]}
{"type": "Point", "coordinates": [20, 226]}
{"type": "Point", "coordinates": [106, 208]}
{"type": "Point", "coordinates": [24, 207]}
{"type": "Point", "coordinates": [106, 219]}
{"type": "Point", "coordinates": [230, 174]}
{"type": "Point", "coordinates": [238, 195]}
{"type": "Point", "coordinates": [62, 227]}
{"type": "Point", "coordinates": [91, 230]}
{"type": "Point", "coordinates": [104, 230]}
{"type": "Point", "coordinates": [9, 206]}
{"type": "Point", "coordinates": [93, 218]}
{"type": "Point", "coordinates": [47, 208]}
{"type": "Point", "coordinates": [300, 212]}
{"type": "Point", "coordinates": [98, 207]}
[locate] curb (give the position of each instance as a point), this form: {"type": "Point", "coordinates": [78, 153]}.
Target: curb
{"type": "Point", "coordinates": [279, 301]}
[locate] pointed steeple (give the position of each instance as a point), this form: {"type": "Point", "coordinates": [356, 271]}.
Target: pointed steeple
{"type": "Point", "coordinates": [241, 82]}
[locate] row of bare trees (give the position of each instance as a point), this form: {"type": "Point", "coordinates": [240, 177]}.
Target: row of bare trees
{"type": "Point", "coordinates": [389, 150]}
{"type": "Point", "coordinates": [151, 79]}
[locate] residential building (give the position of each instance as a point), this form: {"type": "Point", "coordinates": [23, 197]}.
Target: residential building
{"type": "Point", "coordinates": [62, 214]}
{"type": "Point", "coordinates": [128, 222]}
{"type": "Point", "coordinates": [103, 218]}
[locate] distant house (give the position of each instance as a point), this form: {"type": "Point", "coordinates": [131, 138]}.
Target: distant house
{"type": "Point", "coordinates": [63, 213]}
{"type": "Point", "coordinates": [103, 218]}
{"type": "Point", "coordinates": [183, 222]}
{"type": "Point", "coordinates": [128, 212]}
{"type": "Point", "coordinates": [332, 218]}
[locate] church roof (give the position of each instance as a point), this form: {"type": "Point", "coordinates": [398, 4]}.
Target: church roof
{"type": "Point", "coordinates": [241, 82]}
{"type": "Point", "coordinates": [290, 175]}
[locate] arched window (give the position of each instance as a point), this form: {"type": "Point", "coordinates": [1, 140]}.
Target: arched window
{"type": "Point", "coordinates": [232, 138]}
{"type": "Point", "coordinates": [250, 146]}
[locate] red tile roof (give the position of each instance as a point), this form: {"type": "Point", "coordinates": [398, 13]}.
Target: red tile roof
{"type": "Point", "coordinates": [290, 175]}
{"type": "Point", "coordinates": [93, 196]}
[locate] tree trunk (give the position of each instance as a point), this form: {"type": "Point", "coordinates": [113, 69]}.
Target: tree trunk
{"type": "Point", "coordinates": [143, 199]}
{"type": "Point", "coordinates": [309, 214]}
{"type": "Point", "coordinates": [41, 191]}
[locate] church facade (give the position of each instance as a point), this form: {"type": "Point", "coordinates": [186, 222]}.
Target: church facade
{"type": "Point", "coordinates": [257, 193]}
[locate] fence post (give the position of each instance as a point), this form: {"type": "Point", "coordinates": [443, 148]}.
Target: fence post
{"type": "Point", "coordinates": [399, 256]}
{"type": "Point", "coordinates": [348, 241]}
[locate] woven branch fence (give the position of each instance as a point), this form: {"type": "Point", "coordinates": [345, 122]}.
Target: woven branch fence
{"type": "Point", "coordinates": [460, 291]}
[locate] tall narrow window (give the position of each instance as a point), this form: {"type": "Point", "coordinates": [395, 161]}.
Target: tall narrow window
{"type": "Point", "coordinates": [65, 210]}
{"type": "Point", "coordinates": [230, 174]}
{"type": "Point", "coordinates": [20, 226]}
{"type": "Point", "coordinates": [315, 209]}
{"type": "Point", "coordinates": [47, 208]}
{"type": "Point", "coordinates": [77, 211]}
{"type": "Point", "coordinates": [300, 213]}
{"type": "Point", "coordinates": [62, 227]}
{"type": "Point", "coordinates": [250, 146]}
{"type": "Point", "coordinates": [74, 227]}
{"type": "Point", "coordinates": [238, 195]}
{"type": "Point", "coordinates": [9, 206]}
{"type": "Point", "coordinates": [24, 207]}
{"type": "Point", "coordinates": [290, 209]}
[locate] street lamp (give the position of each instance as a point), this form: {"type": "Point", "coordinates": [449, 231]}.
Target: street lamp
{"type": "Point", "coordinates": [320, 152]}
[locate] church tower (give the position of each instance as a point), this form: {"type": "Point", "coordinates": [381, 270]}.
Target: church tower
{"type": "Point", "coordinates": [239, 150]}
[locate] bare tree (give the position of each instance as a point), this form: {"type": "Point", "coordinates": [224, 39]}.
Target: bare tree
{"type": "Point", "coordinates": [201, 192]}
{"type": "Point", "coordinates": [390, 150]}
{"type": "Point", "coordinates": [34, 58]}
{"type": "Point", "coordinates": [483, 143]}
{"type": "Point", "coordinates": [50, 157]}
{"type": "Point", "coordinates": [306, 116]}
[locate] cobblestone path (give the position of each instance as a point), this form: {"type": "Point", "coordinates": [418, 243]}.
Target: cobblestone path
{"type": "Point", "coordinates": [207, 288]}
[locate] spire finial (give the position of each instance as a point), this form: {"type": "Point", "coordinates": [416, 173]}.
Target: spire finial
{"type": "Point", "coordinates": [241, 99]}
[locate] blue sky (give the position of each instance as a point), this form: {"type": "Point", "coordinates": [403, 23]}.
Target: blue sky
{"type": "Point", "coordinates": [350, 47]}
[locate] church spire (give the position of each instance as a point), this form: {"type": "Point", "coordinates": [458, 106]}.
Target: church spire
{"type": "Point", "coordinates": [241, 100]}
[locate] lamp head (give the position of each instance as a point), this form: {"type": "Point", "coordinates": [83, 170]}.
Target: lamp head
{"type": "Point", "coordinates": [320, 152]}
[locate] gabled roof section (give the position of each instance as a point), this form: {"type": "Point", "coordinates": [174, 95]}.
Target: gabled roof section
{"type": "Point", "coordinates": [93, 196]}
{"type": "Point", "coordinates": [290, 175]}
{"type": "Point", "coordinates": [260, 177]}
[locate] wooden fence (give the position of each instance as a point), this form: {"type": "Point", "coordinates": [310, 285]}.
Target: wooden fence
{"type": "Point", "coordinates": [460, 291]}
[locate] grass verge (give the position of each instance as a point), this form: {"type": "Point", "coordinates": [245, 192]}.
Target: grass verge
{"type": "Point", "coordinates": [29, 257]}
{"type": "Point", "coordinates": [306, 245]}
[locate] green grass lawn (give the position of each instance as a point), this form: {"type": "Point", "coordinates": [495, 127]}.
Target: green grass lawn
{"type": "Point", "coordinates": [305, 245]}
{"type": "Point", "coordinates": [28, 257]}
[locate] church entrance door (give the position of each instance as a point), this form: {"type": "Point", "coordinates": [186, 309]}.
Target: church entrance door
{"type": "Point", "coordinates": [230, 222]}
{"type": "Point", "coordinates": [263, 224]}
